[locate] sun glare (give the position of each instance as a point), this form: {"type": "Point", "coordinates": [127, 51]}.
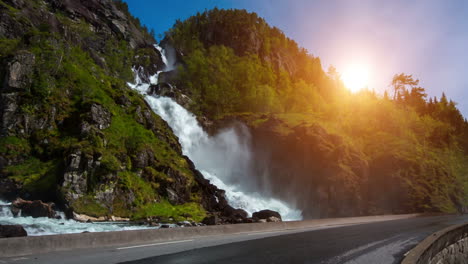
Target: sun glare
{"type": "Point", "coordinates": [356, 78]}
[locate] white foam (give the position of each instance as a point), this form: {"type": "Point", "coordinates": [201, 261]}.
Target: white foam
{"type": "Point", "coordinates": [224, 159]}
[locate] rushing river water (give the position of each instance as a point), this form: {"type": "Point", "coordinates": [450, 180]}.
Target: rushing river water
{"type": "Point", "coordinates": [50, 226]}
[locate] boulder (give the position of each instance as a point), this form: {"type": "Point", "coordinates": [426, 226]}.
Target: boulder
{"type": "Point", "coordinates": [273, 219]}
{"type": "Point", "coordinates": [265, 214]}
{"type": "Point", "coordinates": [184, 224]}
{"type": "Point", "coordinates": [232, 215]}
{"type": "Point", "coordinates": [12, 231]}
{"type": "Point", "coordinates": [211, 220]}
{"type": "Point", "coordinates": [32, 208]}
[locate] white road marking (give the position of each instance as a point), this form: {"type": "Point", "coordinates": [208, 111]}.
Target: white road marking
{"type": "Point", "coordinates": [22, 258]}
{"type": "Point", "coordinates": [261, 233]}
{"type": "Point", "coordinates": [156, 244]}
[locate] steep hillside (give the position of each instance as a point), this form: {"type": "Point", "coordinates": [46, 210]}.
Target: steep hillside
{"type": "Point", "coordinates": [72, 131]}
{"type": "Point", "coordinates": [332, 152]}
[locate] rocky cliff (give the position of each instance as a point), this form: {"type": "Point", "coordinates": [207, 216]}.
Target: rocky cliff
{"type": "Point", "coordinates": [72, 132]}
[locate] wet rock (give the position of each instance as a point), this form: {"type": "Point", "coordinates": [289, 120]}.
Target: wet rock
{"type": "Point", "coordinates": [211, 220]}
{"type": "Point", "coordinates": [249, 220]}
{"type": "Point", "coordinates": [32, 208]}
{"type": "Point", "coordinates": [12, 231]}
{"type": "Point", "coordinates": [184, 224]}
{"type": "Point", "coordinates": [168, 90]}
{"type": "Point", "coordinates": [88, 219]}
{"type": "Point", "coordinates": [265, 214]}
{"type": "Point", "coordinates": [165, 226]}
{"type": "Point", "coordinates": [231, 215]}
{"type": "Point", "coordinates": [273, 219]}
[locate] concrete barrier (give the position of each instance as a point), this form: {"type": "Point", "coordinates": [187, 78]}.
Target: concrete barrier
{"type": "Point", "coordinates": [449, 245]}
{"type": "Point", "coordinates": [20, 246]}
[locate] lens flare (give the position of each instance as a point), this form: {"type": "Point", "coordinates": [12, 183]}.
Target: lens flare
{"type": "Point", "coordinates": [356, 78]}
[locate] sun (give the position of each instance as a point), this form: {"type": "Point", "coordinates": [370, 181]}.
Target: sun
{"type": "Point", "coordinates": [356, 77]}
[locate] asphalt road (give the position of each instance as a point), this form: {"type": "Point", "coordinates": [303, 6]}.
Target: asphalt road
{"type": "Point", "coordinates": [380, 242]}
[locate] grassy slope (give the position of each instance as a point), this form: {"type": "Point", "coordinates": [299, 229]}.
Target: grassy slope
{"type": "Point", "coordinates": [67, 80]}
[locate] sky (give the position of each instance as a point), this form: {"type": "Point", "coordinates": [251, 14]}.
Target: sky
{"type": "Point", "coordinates": [425, 38]}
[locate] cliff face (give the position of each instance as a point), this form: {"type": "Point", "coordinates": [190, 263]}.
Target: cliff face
{"type": "Point", "coordinates": [323, 173]}
{"type": "Point", "coordinates": [72, 132]}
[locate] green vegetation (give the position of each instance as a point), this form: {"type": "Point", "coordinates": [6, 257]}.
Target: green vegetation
{"type": "Point", "coordinates": [71, 74]}
{"type": "Point", "coordinates": [237, 65]}
{"type": "Point", "coordinates": [165, 210]}
{"type": "Point", "coordinates": [37, 177]}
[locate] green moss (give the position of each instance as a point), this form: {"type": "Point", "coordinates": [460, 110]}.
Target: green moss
{"type": "Point", "coordinates": [110, 163]}
{"type": "Point", "coordinates": [36, 176]}
{"type": "Point", "coordinates": [143, 191]}
{"type": "Point", "coordinates": [89, 206]}
{"type": "Point", "coordinates": [165, 210]}
{"type": "Point", "coordinates": [14, 146]}
{"type": "Point", "coordinates": [7, 46]}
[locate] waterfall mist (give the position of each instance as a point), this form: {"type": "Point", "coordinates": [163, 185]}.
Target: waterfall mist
{"type": "Point", "coordinates": [225, 158]}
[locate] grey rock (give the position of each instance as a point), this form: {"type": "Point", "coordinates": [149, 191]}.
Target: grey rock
{"type": "Point", "coordinates": [19, 70]}
{"type": "Point", "coordinates": [79, 167]}
{"type": "Point", "coordinates": [99, 116]}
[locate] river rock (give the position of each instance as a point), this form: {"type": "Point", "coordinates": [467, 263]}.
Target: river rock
{"type": "Point", "coordinates": [184, 224]}
{"type": "Point", "coordinates": [86, 218]}
{"type": "Point", "coordinates": [265, 214]}
{"type": "Point", "coordinates": [32, 208]}
{"type": "Point", "coordinates": [12, 231]}
{"type": "Point", "coordinates": [273, 219]}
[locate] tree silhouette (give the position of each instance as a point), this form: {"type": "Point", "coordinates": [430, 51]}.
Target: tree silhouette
{"type": "Point", "coordinates": [400, 82]}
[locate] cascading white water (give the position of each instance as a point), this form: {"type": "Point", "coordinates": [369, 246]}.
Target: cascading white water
{"type": "Point", "coordinates": [49, 226]}
{"type": "Point", "coordinates": [224, 159]}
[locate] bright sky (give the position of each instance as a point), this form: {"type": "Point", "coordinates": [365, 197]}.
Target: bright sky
{"type": "Point", "coordinates": [426, 38]}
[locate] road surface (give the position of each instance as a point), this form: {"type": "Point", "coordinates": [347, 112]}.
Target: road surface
{"type": "Point", "coordinates": [381, 242]}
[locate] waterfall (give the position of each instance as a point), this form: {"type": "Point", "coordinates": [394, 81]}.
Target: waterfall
{"type": "Point", "coordinates": [225, 159]}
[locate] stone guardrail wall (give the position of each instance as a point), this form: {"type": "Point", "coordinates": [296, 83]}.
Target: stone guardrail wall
{"type": "Point", "coordinates": [449, 245]}
{"type": "Point", "coordinates": [20, 246]}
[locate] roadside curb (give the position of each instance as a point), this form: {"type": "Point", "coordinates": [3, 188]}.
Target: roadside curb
{"type": "Point", "coordinates": [434, 244]}
{"type": "Point", "coordinates": [20, 246]}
